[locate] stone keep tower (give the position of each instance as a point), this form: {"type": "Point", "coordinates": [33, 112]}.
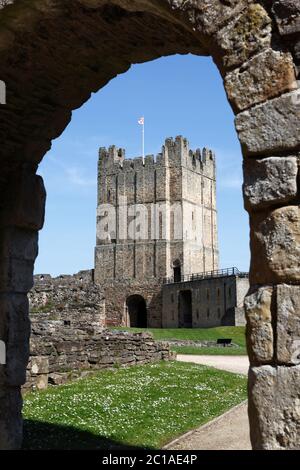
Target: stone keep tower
{"type": "Point", "coordinates": [155, 219]}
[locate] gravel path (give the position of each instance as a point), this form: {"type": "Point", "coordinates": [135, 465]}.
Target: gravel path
{"type": "Point", "coordinates": [229, 431]}
{"type": "Point", "coordinates": [236, 364]}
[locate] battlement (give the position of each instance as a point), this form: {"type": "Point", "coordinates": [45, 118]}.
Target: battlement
{"type": "Point", "coordinates": [175, 152]}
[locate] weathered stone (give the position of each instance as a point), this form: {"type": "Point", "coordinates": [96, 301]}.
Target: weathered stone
{"type": "Point", "coordinates": [247, 34]}
{"type": "Point", "coordinates": [19, 244]}
{"type": "Point", "coordinates": [27, 207]}
{"type": "Point", "coordinates": [288, 324]}
{"type": "Point", "coordinates": [84, 45]}
{"type": "Point", "coordinates": [265, 76]}
{"type": "Point", "coordinates": [56, 379]}
{"type": "Point", "coordinates": [275, 246]}
{"type": "Point", "coordinates": [39, 365]}
{"type": "Point", "coordinates": [209, 15]}
{"type": "Point", "coordinates": [16, 275]}
{"type": "Point", "coordinates": [269, 181]}
{"type": "Point", "coordinates": [287, 14]}
{"type": "Point", "coordinates": [54, 356]}
{"type": "Point", "coordinates": [41, 382]}
{"type": "Point", "coordinates": [274, 407]}
{"type": "Point", "coordinates": [11, 426]}
{"type": "Point", "coordinates": [14, 328]}
{"type": "Point", "coordinates": [271, 127]}
{"type": "Point", "coordinates": [260, 338]}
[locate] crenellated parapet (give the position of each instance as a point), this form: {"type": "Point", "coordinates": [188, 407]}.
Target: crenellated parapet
{"type": "Point", "coordinates": [175, 153]}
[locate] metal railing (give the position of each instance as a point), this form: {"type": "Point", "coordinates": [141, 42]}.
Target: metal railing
{"type": "Point", "coordinates": [206, 275]}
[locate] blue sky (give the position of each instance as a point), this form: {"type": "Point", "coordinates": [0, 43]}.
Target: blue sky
{"type": "Point", "coordinates": [178, 95]}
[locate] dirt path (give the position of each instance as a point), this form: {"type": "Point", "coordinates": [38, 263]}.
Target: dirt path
{"type": "Point", "coordinates": [229, 431]}
{"type": "Point", "coordinates": [236, 364]}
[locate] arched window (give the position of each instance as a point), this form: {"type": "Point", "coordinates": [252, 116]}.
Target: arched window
{"type": "Point", "coordinates": [177, 271]}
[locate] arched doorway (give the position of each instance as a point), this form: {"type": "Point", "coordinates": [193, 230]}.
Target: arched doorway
{"type": "Point", "coordinates": [136, 311]}
{"type": "Point", "coordinates": [254, 44]}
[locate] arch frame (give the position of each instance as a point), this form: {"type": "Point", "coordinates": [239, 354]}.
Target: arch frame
{"type": "Point", "coordinates": [54, 55]}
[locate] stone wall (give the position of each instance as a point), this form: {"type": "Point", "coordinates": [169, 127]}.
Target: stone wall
{"type": "Point", "coordinates": [214, 302]}
{"type": "Point", "coordinates": [256, 47]}
{"type": "Point", "coordinates": [60, 352]}
{"type": "Point", "coordinates": [67, 298]}
{"type": "Point", "coordinates": [116, 294]}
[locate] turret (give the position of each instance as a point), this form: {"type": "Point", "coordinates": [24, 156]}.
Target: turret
{"type": "Point", "coordinates": [111, 156]}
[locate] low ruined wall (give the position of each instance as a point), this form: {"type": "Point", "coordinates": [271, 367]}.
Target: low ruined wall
{"type": "Point", "coordinates": [61, 352]}
{"type": "Point", "coordinates": [67, 298]}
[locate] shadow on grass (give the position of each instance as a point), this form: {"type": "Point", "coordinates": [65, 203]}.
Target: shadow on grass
{"type": "Point", "coordinates": [40, 435]}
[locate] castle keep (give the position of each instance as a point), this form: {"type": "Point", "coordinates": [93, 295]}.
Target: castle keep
{"type": "Point", "coordinates": [156, 255]}
{"type": "Point", "coordinates": [156, 219]}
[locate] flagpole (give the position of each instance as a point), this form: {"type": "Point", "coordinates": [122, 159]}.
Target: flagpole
{"type": "Point", "coordinates": [143, 141]}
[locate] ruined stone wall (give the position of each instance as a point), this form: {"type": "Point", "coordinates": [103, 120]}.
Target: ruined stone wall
{"type": "Point", "coordinates": [70, 298]}
{"type": "Point", "coordinates": [59, 353]}
{"type": "Point", "coordinates": [54, 54]}
{"type": "Point", "coordinates": [116, 294]}
{"type": "Point", "coordinates": [215, 302]}
{"type": "Point", "coordinates": [76, 299]}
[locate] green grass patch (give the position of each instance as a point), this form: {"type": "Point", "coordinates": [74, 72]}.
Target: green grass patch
{"type": "Point", "coordinates": [236, 333]}
{"type": "Point", "coordinates": [142, 406]}
{"type": "Point", "coordinates": [210, 351]}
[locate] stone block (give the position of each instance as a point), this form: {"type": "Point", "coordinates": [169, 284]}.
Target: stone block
{"type": "Point", "coordinates": [271, 127]}
{"type": "Point", "coordinates": [274, 407]}
{"type": "Point", "coordinates": [56, 379]}
{"type": "Point", "coordinates": [287, 14]}
{"type": "Point", "coordinates": [265, 76]}
{"type": "Point", "coordinates": [19, 244]}
{"type": "Point", "coordinates": [41, 382]}
{"type": "Point", "coordinates": [288, 324]}
{"type": "Point", "coordinates": [15, 332]}
{"type": "Point", "coordinates": [27, 202]}
{"type": "Point", "coordinates": [209, 15]}
{"type": "Point", "coordinates": [39, 365]}
{"type": "Point", "coordinates": [270, 181]}
{"type": "Point", "coordinates": [260, 338]}
{"type": "Point", "coordinates": [16, 275]}
{"type": "Point", "coordinates": [246, 35]}
{"type": "Point", "coordinates": [275, 246]}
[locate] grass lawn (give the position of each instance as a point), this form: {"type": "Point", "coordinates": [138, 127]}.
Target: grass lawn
{"type": "Point", "coordinates": [142, 406]}
{"type": "Point", "coordinates": [209, 351]}
{"type": "Point", "coordinates": [237, 333]}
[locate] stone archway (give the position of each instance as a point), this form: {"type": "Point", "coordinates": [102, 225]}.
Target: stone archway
{"type": "Point", "coordinates": [54, 54]}
{"type": "Point", "coordinates": [137, 311]}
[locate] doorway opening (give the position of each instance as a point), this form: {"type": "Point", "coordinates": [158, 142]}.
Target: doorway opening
{"type": "Point", "coordinates": [137, 311]}
{"type": "Point", "coordinates": [185, 309]}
